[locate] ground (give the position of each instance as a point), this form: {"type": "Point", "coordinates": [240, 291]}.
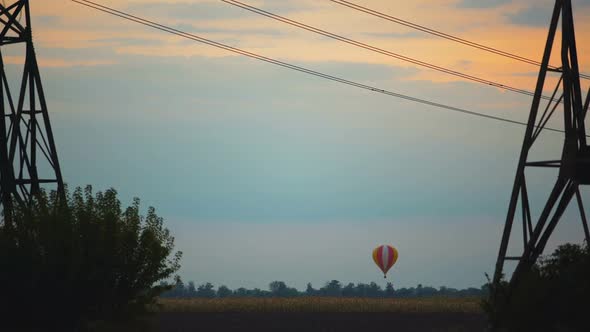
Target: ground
{"type": "Point", "coordinates": [314, 314]}
{"type": "Point", "coordinates": [325, 322]}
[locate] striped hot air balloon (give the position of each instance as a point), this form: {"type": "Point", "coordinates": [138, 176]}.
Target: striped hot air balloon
{"type": "Point", "coordinates": [385, 256]}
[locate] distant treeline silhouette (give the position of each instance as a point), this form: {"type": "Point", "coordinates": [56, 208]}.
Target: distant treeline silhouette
{"type": "Point", "coordinates": [333, 288]}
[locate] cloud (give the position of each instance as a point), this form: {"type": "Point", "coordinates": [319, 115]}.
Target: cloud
{"type": "Point", "coordinates": [46, 62]}
{"type": "Point", "coordinates": [464, 64]}
{"type": "Point", "coordinates": [129, 41]}
{"type": "Point", "coordinates": [214, 10]}
{"type": "Point", "coordinates": [397, 35]}
{"type": "Point", "coordinates": [536, 15]}
{"type": "Point", "coordinates": [193, 11]}
{"type": "Point", "coordinates": [539, 13]}
{"type": "Point", "coordinates": [112, 38]}
{"type": "Point", "coordinates": [285, 6]}
{"type": "Point", "coordinates": [240, 31]}
{"type": "Point", "coordinates": [582, 3]}
{"type": "Point", "coordinates": [47, 20]}
{"type": "Point", "coordinates": [482, 3]}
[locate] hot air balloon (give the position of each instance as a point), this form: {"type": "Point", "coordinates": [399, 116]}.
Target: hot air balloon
{"type": "Point", "coordinates": [385, 256]}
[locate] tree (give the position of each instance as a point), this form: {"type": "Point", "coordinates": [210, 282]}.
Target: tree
{"type": "Point", "coordinates": [241, 292]}
{"type": "Point", "coordinates": [191, 290]}
{"type": "Point", "coordinates": [389, 291]}
{"type": "Point", "coordinates": [178, 290]}
{"type": "Point", "coordinates": [280, 289]}
{"type": "Point", "coordinates": [223, 291]}
{"type": "Point", "coordinates": [83, 258]}
{"type": "Point", "coordinates": [277, 287]}
{"type": "Point", "coordinates": [310, 291]}
{"type": "Point", "coordinates": [361, 290]}
{"type": "Point", "coordinates": [206, 291]}
{"type": "Point", "coordinates": [349, 290]}
{"type": "Point", "coordinates": [374, 290]}
{"type": "Point", "coordinates": [428, 291]}
{"type": "Point", "coordinates": [332, 288]}
{"type": "Point", "coordinates": [257, 292]}
{"type": "Point", "coordinates": [552, 295]}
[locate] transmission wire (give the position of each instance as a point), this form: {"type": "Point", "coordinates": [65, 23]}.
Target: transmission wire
{"type": "Point", "coordinates": [183, 34]}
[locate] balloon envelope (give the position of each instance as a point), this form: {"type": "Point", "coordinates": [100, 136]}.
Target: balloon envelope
{"type": "Point", "coordinates": [385, 256]}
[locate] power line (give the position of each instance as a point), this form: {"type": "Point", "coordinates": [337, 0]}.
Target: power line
{"type": "Point", "coordinates": [377, 49]}
{"type": "Point", "coordinates": [183, 34]}
{"type": "Point", "coordinates": [441, 34]}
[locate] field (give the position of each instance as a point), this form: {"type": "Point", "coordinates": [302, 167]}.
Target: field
{"type": "Point", "coordinates": [313, 314]}
{"type": "Point", "coordinates": [322, 304]}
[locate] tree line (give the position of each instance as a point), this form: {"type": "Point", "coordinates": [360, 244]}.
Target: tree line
{"type": "Point", "coordinates": [332, 288]}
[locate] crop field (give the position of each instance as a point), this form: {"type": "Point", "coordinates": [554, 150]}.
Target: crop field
{"type": "Point", "coordinates": [322, 304]}
{"type": "Point", "coordinates": [311, 314]}
{"type": "Point", "coordinates": [319, 314]}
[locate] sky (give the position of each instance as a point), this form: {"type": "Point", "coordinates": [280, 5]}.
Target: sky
{"type": "Point", "coordinates": [262, 173]}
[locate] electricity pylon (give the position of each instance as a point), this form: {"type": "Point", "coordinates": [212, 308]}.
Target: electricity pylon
{"type": "Point", "coordinates": [574, 162]}
{"type": "Point", "coordinates": [28, 157]}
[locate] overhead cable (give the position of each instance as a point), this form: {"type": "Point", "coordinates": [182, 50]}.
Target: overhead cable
{"type": "Point", "coordinates": [193, 37]}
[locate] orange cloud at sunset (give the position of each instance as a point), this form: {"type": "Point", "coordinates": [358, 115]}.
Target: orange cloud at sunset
{"type": "Point", "coordinates": [79, 27]}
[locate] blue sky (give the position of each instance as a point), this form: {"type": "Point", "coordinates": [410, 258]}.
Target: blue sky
{"type": "Point", "coordinates": [267, 174]}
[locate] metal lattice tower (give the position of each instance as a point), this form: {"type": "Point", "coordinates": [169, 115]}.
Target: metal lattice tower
{"type": "Point", "coordinates": [574, 162]}
{"type": "Point", "coordinates": [28, 157]}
